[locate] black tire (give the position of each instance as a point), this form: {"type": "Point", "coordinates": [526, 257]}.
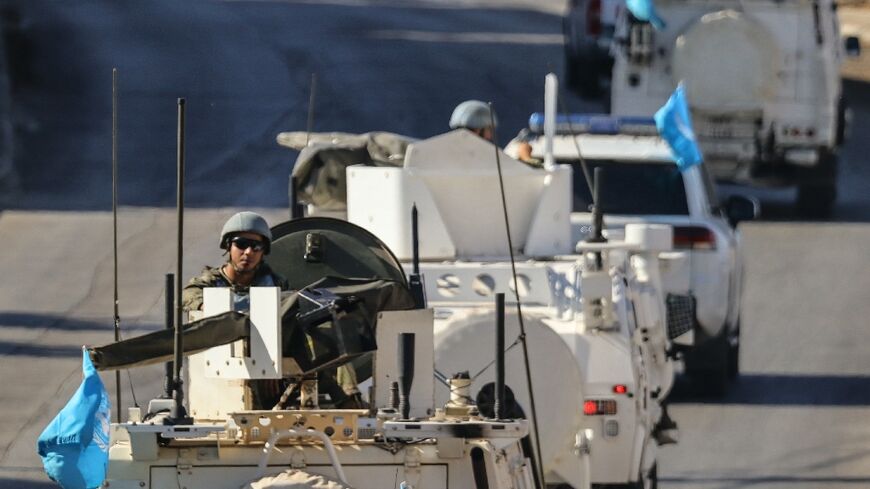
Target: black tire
{"type": "Point", "coordinates": [816, 200]}
{"type": "Point", "coordinates": [582, 76]}
{"type": "Point", "coordinates": [709, 368]}
{"type": "Point", "coordinates": [817, 193]}
{"type": "Point", "coordinates": [733, 361]}
{"type": "Point", "coordinates": [840, 136]}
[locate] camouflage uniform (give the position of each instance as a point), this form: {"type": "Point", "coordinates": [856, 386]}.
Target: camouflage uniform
{"type": "Point", "coordinates": [215, 277]}
{"type": "Point", "coordinates": [340, 383]}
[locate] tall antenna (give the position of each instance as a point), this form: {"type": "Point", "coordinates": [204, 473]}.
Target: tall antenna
{"type": "Point", "coordinates": [311, 93]}
{"type": "Point", "coordinates": [540, 466]}
{"type": "Point", "coordinates": [178, 414]}
{"type": "Point", "coordinates": [586, 175]}
{"type": "Point", "coordinates": [116, 316]}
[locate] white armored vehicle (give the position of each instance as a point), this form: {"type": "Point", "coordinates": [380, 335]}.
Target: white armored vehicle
{"type": "Point", "coordinates": [351, 302]}
{"type": "Point", "coordinates": [590, 319]}
{"type": "Point", "coordinates": [763, 83]}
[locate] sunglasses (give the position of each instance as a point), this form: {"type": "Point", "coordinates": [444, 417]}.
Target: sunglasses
{"type": "Point", "coordinates": [245, 243]}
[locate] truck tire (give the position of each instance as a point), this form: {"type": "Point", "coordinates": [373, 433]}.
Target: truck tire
{"type": "Point", "coordinates": [733, 361]}
{"type": "Point", "coordinates": [582, 76]}
{"type": "Point", "coordinates": [709, 367]}
{"type": "Point", "coordinates": [817, 192]}
{"type": "Point", "coordinates": [842, 122]}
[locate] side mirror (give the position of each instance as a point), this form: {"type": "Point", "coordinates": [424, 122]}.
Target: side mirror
{"type": "Point", "coordinates": [852, 45]}
{"type": "Point", "coordinates": [741, 208]}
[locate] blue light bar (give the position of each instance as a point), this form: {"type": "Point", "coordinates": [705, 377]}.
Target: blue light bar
{"type": "Point", "coordinates": [596, 124]}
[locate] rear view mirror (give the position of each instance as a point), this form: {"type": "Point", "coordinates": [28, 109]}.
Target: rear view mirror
{"type": "Point", "coordinates": [852, 45]}
{"type": "Point", "coordinates": [741, 208]}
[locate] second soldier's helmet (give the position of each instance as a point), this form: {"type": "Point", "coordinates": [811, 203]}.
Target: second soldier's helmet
{"type": "Point", "coordinates": [472, 114]}
{"type": "Point", "coordinates": [245, 222]}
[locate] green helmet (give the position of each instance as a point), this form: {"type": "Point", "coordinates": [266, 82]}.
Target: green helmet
{"type": "Point", "coordinates": [245, 222]}
{"type": "Point", "coordinates": [472, 114]}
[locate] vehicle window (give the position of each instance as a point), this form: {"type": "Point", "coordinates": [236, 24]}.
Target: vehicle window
{"type": "Point", "coordinates": [633, 188]}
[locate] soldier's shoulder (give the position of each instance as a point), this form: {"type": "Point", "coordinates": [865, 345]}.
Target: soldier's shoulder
{"type": "Point", "coordinates": [209, 276]}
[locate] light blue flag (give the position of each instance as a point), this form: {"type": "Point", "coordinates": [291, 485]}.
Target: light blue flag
{"type": "Point", "coordinates": [646, 11]}
{"type": "Point", "coordinates": [675, 126]}
{"type": "Point", "coordinates": [75, 446]}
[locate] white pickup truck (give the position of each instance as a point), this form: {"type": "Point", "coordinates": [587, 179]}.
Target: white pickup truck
{"type": "Point", "coordinates": [702, 277]}
{"type": "Point", "coordinates": [763, 82]}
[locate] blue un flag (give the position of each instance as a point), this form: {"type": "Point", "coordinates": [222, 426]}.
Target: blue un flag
{"type": "Point", "coordinates": [75, 446]}
{"type": "Point", "coordinates": [675, 126]}
{"type": "Point", "coordinates": [646, 11]}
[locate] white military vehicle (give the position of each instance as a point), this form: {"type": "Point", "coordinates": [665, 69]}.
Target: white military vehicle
{"type": "Point", "coordinates": [593, 316]}
{"type": "Point", "coordinates": [237, 440]}
{"type": "Point", "coordinates": [703, 275]}
{"type": "Point", "coordinates": [763, 83]}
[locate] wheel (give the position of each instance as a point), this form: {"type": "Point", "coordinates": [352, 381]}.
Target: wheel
{"type": "Point", "coordinates": [733, 360]}
{"type": "Point", "coordinates": [817, 192]}
{"type": "Point", "coordinates": [582, 76]}
{"type": "Point", "coordinates": [816, 200]}
{"type": "Point", "coordinates": [709, 367]}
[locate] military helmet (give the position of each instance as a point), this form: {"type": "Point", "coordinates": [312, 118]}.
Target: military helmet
{"type": "Point", "coordinates": [472, 114]}
{"type": "Point", "coordinates": [245, 222]}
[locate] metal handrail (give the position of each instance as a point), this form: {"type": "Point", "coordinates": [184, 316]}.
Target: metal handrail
{"type": "Point", "coordinates": [330, 449]}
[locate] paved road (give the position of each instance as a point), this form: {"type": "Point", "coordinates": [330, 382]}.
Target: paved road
{"type": "Point", "coordinates": [798, 417]}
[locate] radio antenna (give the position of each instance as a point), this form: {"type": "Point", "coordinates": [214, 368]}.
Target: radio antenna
{"type": "Point", "coordinates": [116, 317]}
{"type": "Point", "coordinates": [586, 175]}
{"type": "Point", "coordinates": [312, 91]}
{"type": "Point", "coordinates": [539, 473]}
{"type": "Point", "coordinates": [178, 415]}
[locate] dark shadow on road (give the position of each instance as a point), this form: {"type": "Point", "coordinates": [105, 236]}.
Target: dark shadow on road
{"type": "Point", "coordinates": [37, 321]}
{"type": "Point", "coordinates": [13, 349]}
{"type": "Point", "coordinates": [26, 484]}
{"type": "Point", "coordinates": [783, 390]}
{"type": "Point", "coordinates": [775, 479]}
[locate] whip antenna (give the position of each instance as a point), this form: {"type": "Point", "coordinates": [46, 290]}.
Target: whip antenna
{"type": "Point", "coordinates": [311, 92]}
{"type": "Point", "coordinates": [116, 316]}
{"type": "Point", "coordinates": [178, 414]}
{"type": "Point", "coordinates": [586, 175]}
{"type": "Point", "coordinates": [539, 473]}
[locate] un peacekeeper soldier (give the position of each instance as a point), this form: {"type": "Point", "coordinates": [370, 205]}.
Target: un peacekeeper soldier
{"type": "Point", "coordinates": [477, 117]}
{"type": "Point", "coordinates": [246, 237]}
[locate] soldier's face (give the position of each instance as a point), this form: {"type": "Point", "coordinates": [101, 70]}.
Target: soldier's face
{"type": "Point", "coordinates": [246, 259]}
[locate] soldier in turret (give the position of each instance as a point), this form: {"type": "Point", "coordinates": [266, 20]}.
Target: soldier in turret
{"type": "Point", "coordinates": [247, 239]}
{"type": "Point", "coordinates": [477, 117]}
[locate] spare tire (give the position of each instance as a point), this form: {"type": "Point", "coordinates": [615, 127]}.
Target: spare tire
{"type": "Point", "coordinates": [728, 62]}
{"type": "Point", "coordinates": [295, 479]}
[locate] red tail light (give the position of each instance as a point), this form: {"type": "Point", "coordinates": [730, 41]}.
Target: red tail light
{"type": "Point", "coordinates": [694, 238]}
{"type": "Point", "coordinates": [593, 18]}
{"type": "Point", "coordinates": [620, 389]}
{"type": "Point", "coordinates": [599, 407]}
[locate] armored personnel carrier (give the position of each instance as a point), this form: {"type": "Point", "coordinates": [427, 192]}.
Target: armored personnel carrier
{"type": "Point", "coordinates": [590, 320]}
{"type": "Point", "coordinates": [351, 303]}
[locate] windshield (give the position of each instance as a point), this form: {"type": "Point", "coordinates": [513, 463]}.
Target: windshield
{"type": "Point", "coordinates": [633, 188]}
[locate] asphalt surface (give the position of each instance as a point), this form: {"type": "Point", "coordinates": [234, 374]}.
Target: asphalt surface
{"type": "Point", "coordinates": [797, 417]}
